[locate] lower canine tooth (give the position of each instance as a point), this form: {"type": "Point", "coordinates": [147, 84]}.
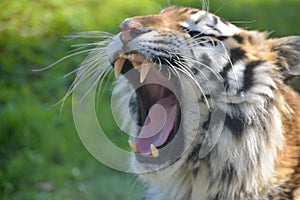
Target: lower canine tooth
{"type": "Point", "coordinates": [118, 66]}
{"type": "Point", "coordinates": [133, 146]}
{"type": "Point", "coordinates": [154, 151]}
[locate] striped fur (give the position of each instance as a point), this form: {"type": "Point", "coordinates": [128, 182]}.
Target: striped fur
{"type": "Point", "coordinates": [258, 153]}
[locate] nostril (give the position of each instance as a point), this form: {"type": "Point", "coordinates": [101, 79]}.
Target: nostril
{"type": "Point", "coordinates": [130, 25]}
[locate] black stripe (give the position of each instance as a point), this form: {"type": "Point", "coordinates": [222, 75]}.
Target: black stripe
{"type": "Point", "coordinates": [183, 11]}
{"type": "Point", "coordinates": [215, 20]}
{"type": "Point", "coordinates": [222, 38]}
{"type": "Point", "coordinates": [217, 30]}
{"type": "Point", "coordinates": [198, 20]}
{"type": "Point", "coordinates": [194, 12]}
{"type": "Point", "coordinates": [194, 155]}
{"type": "Point", "coordinates": [195, 171]}
{"type": "Point", "coordinates": [206, 60]}
{"type": "Point", "coordinates": [196, 34]}
{"type": "Point", "coordinates": [224, 72]}
{"type": "Point", "coordinates": [217, 196]}
{"type": "Point", "coordinates": [205, 125]}
{"type": "Point", "coordinates": [214, 23]}
{"type": "Point", "coordinates": [224, 21]}
{"type": "Point", "coordinates": [251, 39]}
{"type": "Point", "coordinates": [228, 173]}
{"type": "Point", "coordinates": [248, 74]}
{"type": "Point", "coordinates": [235, 55]}
{"type": "Point", "coordinates": [199, 34]}
{"type": "Point", "coordinates": [235, 124]}
{"type": "Point", "coordinates": [194, 71]}
{"type": "Point", "coordinates": [238, 38]}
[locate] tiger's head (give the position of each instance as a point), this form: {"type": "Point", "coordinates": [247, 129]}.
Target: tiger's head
{"type": "Point", "coordinates": [202, 97]}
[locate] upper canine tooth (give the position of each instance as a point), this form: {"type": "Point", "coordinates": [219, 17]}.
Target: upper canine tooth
{"type": "Point", "coordinates": [133, 146]}
{"type": "Point", "coordinates": [118, 66]}
{"type": "Point", "coordinates": [144, 70]}
{"type": "Point", "coordinates": [154, 151]}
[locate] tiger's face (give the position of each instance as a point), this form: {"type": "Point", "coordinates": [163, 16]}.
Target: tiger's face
{"type": "Point", "coordinates": [172, 59]}
{"type": "Point", "coordinates": [179, 63]}
{"type": "Point", "coordinates": [206, 103]}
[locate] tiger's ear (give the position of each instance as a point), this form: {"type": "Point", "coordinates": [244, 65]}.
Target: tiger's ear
{"type": "Point", "coordinates": [288, 56]}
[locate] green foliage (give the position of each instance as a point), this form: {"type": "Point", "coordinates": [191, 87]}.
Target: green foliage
{"type": "Point", "coordinates": [41, 156]}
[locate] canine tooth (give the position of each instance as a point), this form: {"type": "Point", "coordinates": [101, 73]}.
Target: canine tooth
{"type": "Point", "coordinates": [154, 151]}
{"type": "Point", "coordinates": [144, 71]}
{"type": "Point", "coordinates": [133, 146]}
{"type": "Point", "coordinates": [118, 66]}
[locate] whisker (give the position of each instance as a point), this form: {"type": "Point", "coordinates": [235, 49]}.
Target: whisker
{"type": "Point", "coordinates": [173, 68]}
{"type": "Point", "coordinates": [219, 9]}
{"type": "Point", "coordinates": [205, 5]}
{"type": "Point", "coordinates": [190, 75]}
{"type": "Point", "coordinates": [85, 45]}
{"type": "Point", "coordinates": [72, 72]}
{"type": "Point", "coordinates": [108, 84]}
{"type": "Point", "coordinates": [95, 35]}
{"type": "Point", "coordinates": [216, 74]}
{"type": "Point", "coordinates": [203, 76]}
{"type": "Point", "coordinates": [61, 60]}
{"type": "Point", "coordinates": [93, 69]}
{"type": "Point", "coordinates": [243, 22]}
{"type": "Point", "coordinates": [91, 35]}
{"type": "Point", "coordinates": [96, 82]}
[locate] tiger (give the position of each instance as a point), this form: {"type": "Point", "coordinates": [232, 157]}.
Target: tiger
{"type": "Point", "coordinates": [211, 113]}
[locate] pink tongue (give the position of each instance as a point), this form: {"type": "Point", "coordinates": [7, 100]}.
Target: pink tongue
{"type": "Point", "coordinates": [158, 124]}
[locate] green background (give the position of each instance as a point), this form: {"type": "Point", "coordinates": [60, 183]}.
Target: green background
{"type": "Point", "coordinates": [41, 156]}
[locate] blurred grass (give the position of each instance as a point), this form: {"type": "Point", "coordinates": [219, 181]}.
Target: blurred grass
{"type": "Point", "coordinates": [41, 156]}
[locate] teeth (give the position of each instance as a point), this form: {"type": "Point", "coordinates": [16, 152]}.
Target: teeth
{"type": "Point", "coordinates": [144, 70]}
{"type": "Point", "coordinates": [136, 61]}
{"type": "Point", "coordinates": [133, 146]}
{"type": "Point", "coordinates": [154, 151]}
{"type": "Point", "coordinates": [129, 56]}
{"type": "Point", "coordinates": [118, 66]}
{"type": "Point", "coordinates": [136, 65]}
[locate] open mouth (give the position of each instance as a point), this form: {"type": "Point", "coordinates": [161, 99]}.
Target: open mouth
{"type": "Point", "coordinates": [159, 110]}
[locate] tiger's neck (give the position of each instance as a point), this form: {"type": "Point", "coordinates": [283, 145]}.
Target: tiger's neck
{"type": "Point", "coordinates": [242, 164]}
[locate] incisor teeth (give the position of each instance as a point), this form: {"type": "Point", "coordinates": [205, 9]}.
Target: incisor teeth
{"type": "Point", "coordinates": [154, 151]}
{"type": "Point", "coordinates": [133, 146]}
{"type": "Point", "coordinates": [144, 71]}
{"type": "Point", "coordinates": [129, 56]}
{"type": "Point", "coordinates": [118, 66]}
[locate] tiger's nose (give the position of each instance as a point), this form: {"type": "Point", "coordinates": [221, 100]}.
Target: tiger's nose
{"type": "Point", "coordinates": [128, 25]}
{"type": "Point", "coordinates": [130, 29]}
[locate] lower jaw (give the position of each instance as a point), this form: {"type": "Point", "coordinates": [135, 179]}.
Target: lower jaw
{"type": "Point", "coordinates": [167, 154]}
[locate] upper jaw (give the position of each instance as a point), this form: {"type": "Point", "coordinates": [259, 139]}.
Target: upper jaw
{"type": "Point", "coordinates": [126, 62]}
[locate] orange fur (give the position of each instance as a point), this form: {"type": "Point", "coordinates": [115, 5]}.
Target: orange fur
{"type": "Point", "coordinates": [288, 161]}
